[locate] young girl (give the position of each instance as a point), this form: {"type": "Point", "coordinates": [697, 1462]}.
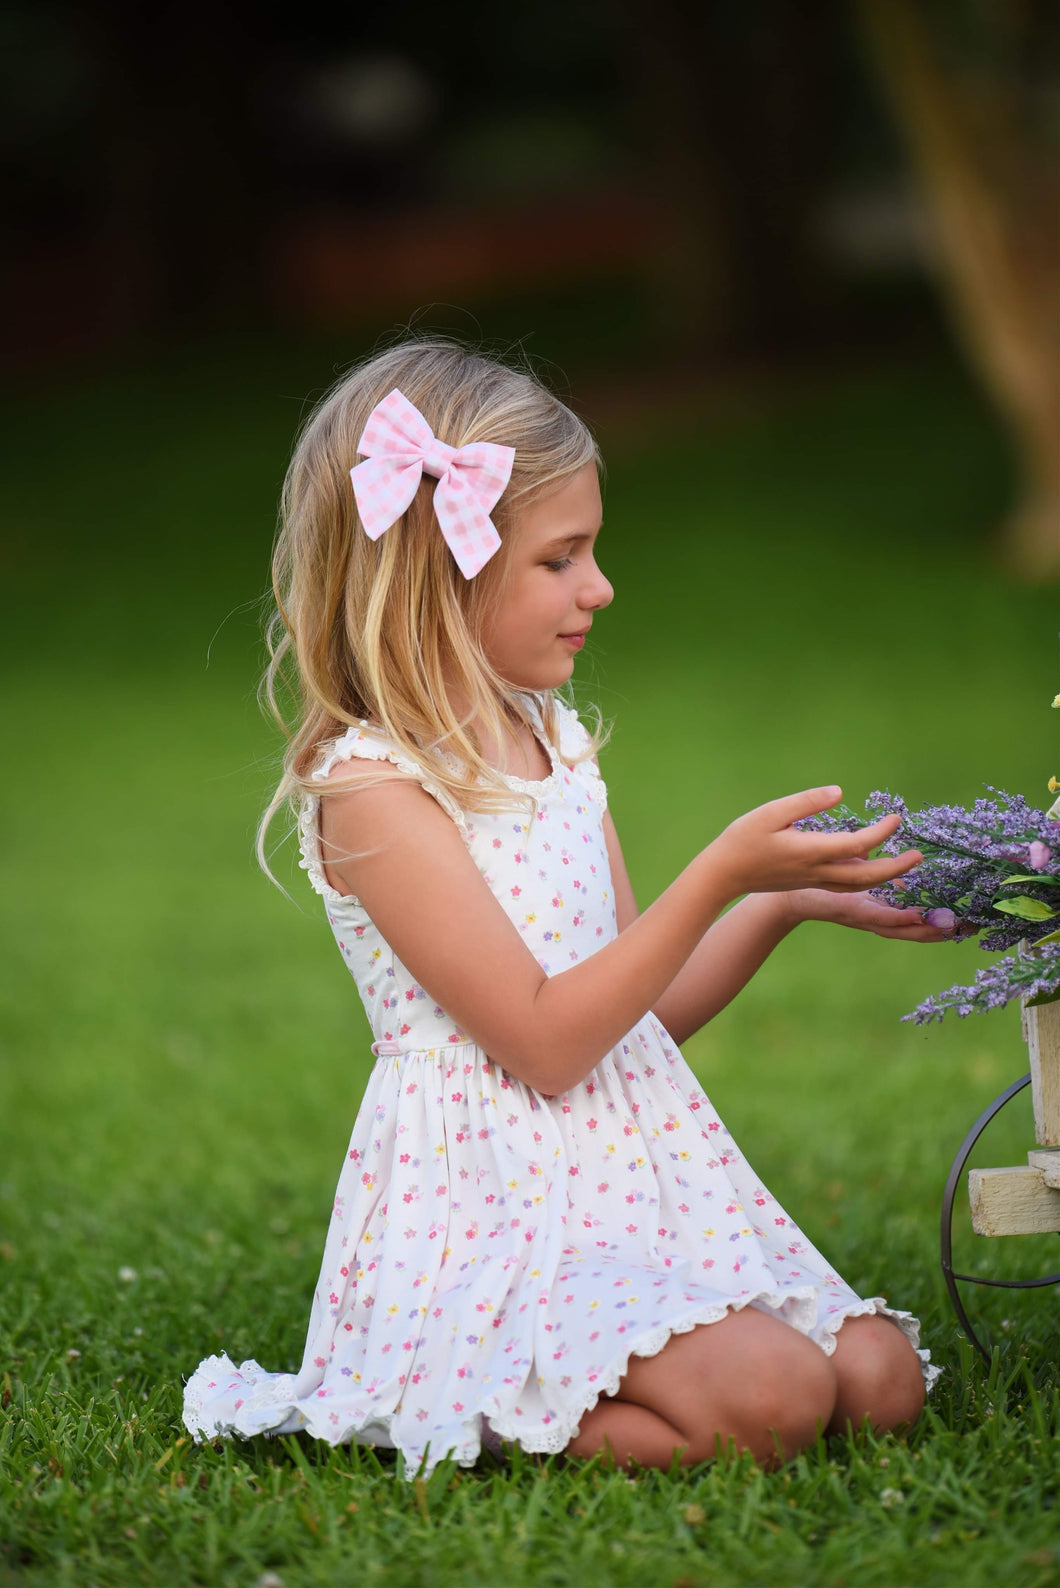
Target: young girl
{"type": "Point", "coordinates": [542, 1232]}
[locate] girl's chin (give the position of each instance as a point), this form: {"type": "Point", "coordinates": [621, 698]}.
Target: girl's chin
{"type": "Point", "coordinates": [540, 678]}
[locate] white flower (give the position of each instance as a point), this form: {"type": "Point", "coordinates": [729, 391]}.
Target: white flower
{"type": "Point", "coordinates": [127, 1275]}
{"type": "Point", "coordinates": [889, 1498]}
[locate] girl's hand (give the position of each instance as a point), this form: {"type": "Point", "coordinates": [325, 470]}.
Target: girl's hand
{"type": "Point", "coordinates": [763, 852]}
{"type": "Point", "coordinates": [863, 912]}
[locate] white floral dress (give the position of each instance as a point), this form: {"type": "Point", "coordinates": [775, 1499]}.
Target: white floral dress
{"type": "Point", "coordinates": [495, 1256]}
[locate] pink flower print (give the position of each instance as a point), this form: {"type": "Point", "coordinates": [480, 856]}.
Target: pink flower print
{"type": "Point", "coordinates": [713, 1125]}
{"type": "Point", "coordinates": [516, 892]}
{"type": "Point", "coordinates": [603, 1186]}
{"type": "Point", "coordinates": [371, 991]}
{"type": "Point", "coordinates": [458, 1406]}
{"type": "Point", "coordinates": [319, 1361]}
{"type": "Point", "coordinates": [496, 843]}
{"type": "Point", "coordinates": [631, 1229]}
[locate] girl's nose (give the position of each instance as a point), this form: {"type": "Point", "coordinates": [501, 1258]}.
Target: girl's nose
{"type": "Point", "coordinates": [598, 592]}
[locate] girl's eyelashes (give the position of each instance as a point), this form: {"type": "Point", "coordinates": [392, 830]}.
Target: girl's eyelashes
{"type": "Point", "coordinates": [557, 564]}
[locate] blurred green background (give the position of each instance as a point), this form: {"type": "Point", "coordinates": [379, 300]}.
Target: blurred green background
{"type": "Point", "coordinates": [776, 255]}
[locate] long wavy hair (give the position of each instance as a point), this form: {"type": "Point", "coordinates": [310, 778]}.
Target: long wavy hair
{"type": "Point", "coordinates": [370, 630]}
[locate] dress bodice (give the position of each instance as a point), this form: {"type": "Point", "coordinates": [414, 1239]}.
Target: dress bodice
{"type": "Point", "coordinates": [544, 859]}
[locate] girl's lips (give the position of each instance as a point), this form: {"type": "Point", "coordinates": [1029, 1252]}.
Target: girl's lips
{"type": "Point", "coordinates": [577, 640]}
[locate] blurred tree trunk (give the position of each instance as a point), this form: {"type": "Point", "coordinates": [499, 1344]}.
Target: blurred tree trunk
{"type": "Point", "coordinates": [995, 196]}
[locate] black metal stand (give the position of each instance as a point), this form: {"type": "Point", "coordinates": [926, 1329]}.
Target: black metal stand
{"type": "Point", "coordinates": [946, 1231]}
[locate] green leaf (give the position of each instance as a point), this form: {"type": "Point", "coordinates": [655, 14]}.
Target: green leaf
{"type": "Point", "coordinates": [1026, 909]}
{"type": "Point", "coordinates": [1054, 937]}
{"type": "Point", "coordinates": [1049, 882]}
{"type": "Point", "coordinates": [1044, 998]}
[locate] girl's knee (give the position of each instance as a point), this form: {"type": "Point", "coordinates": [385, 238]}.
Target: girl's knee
{"type": "Point", "coordinates": [787, 1399]}
{"type": "Point", "coordinates": [878, 1375]}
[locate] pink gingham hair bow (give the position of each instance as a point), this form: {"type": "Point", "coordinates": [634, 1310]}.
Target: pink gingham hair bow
{"type": "Point", "coordinates": [399, 447]}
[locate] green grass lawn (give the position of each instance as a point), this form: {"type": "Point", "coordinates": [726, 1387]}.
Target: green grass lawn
{"type": "Point", "coordinates": [805, 594]}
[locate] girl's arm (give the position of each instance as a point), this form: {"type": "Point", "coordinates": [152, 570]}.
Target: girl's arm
{"type": "Point", "coordinates": [733, 948]}
{"type": "Point", "coordinates": [404, 859]}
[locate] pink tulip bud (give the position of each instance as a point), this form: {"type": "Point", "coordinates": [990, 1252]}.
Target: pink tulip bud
{"type": "Point", "coordinates": [1039, 855]}
{"type": "Point", "coordinates": [943, 919]}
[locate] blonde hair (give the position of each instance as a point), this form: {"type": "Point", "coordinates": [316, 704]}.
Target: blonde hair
{"type": "Point", "coordinates": [369, 630]}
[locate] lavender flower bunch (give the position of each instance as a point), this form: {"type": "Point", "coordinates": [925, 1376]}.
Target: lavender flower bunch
{"type": "Point", "coordinates": [991, 870]}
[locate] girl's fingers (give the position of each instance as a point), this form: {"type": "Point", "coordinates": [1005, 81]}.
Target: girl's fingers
{"type": "Point", "coordinates": [851, 876]}
{"type": "Point", "coordinates": [866, 838]}
{"type": "Point", "coordinates": [793, 807]}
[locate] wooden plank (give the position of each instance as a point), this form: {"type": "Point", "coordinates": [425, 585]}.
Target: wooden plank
{"type": "Point", "coordinates": [1042, 1030]}
{"type": "Point", "coordinates": [1047, 1162]}
{"type": "Point", "coordinates": [1012, 1202]}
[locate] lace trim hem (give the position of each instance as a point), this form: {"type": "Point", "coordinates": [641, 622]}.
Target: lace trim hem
{"type": "Point", "coordinates": [485, 1427]}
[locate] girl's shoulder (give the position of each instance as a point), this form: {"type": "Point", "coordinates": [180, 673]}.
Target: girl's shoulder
{"type": "Point", "coordinates": [363, 750]}
{"type": "Point", "coordinates": [365, 754]}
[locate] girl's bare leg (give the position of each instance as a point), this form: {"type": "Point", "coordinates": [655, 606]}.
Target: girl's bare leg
{"type": "Point", "coordinates": [748, 1381]}
{"type": "Point", "coordinates": [878, 1376]}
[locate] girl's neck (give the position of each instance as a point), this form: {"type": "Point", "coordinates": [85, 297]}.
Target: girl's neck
{"type": "Point", "coordinates": [517, 752]}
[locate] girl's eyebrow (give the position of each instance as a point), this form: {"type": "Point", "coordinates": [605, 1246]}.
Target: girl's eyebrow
{"type": "Point", "coordinates": [569, 540]}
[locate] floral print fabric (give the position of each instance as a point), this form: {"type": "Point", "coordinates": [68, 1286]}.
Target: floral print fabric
{"type": "Point", "coordinates": [495, 1256]}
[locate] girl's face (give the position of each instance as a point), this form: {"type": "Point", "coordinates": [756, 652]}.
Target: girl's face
{"type": "Point", "coordinates": [554, 586]}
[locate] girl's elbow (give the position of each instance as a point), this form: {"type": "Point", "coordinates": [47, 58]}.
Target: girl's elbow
{"type": "Point", "coordinates": [546, 1071]}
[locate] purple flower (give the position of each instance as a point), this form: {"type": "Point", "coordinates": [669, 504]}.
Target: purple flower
{"type": "Point", "coordinates": [1030, 975]}
{"type": "Point", "coordinates": [971, 856]}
